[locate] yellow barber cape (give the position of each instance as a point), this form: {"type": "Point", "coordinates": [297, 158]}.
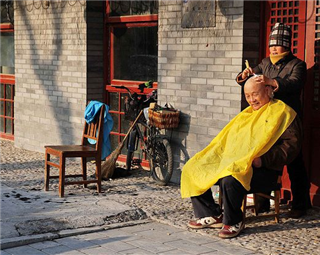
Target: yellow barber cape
{"type": "Point", "coordinates": [249, 135]}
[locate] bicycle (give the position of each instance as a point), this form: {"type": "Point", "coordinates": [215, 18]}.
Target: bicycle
{"type": "Point", "coordinates": [156, 146]}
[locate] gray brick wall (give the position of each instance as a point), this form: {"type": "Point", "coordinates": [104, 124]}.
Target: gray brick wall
{"type": "Point", "coordinates": [197, 68]}
{"type": "Point", "coordinates": [50, 70]}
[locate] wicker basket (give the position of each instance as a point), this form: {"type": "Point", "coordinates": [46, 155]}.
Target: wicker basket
{"type": "Point", "coordinates": [164, 118]}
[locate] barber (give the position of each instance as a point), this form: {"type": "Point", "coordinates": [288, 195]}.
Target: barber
{"type": "Point", "coordinates": [287, 75]}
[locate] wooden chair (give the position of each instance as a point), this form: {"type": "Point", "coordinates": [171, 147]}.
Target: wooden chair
{"type": "Point", "coordinates": [276, 198]}
{"type": "Point", "coordinates": [92, 131]}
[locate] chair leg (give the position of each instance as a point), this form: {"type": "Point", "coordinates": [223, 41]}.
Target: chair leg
{"type": "Point", "coordinates": [277, 205]}
{"type": "Point", "coordinates": [98, 173]}
{"type": "Point", "coordinates": [46, 171]}
{"type": "Point", "coordinates": [244, 207]}
{"type": "Point", "coordinates": [84, 170]}
{"type": "Point", "coordinates": [220, 198]}
{"type": "Point", "coordinates": [61, 176]}
{"type": "Point", "coordinates": [255, 204]}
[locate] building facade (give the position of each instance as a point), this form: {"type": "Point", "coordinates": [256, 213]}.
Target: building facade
{"type": "Point", "coordinates": [67, 53]}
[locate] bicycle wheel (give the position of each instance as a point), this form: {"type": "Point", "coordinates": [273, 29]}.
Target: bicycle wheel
{"type": "Point", "coordinates": [161, 162]}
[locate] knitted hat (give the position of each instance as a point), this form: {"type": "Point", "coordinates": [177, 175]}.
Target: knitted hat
{"type": "Point", "coordinates": [280, 35]}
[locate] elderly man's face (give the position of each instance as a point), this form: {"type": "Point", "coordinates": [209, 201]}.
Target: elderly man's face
{"type": "Point", "coordinates": [257, 95]}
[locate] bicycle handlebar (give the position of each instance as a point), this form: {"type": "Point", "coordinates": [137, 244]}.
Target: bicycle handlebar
{"type": "Point", "coordinates": [130, 92]}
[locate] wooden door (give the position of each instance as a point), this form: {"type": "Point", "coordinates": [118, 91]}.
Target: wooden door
{"type": "Point", "coordinates": [312, 100]}
{"type": "Point", "coordinates": [304, 20]}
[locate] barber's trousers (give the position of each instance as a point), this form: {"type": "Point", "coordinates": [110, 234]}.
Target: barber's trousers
{"type": "Point", "coordinates": [300, 185]}
{"type": "Point", "coordinates": [232, 193]}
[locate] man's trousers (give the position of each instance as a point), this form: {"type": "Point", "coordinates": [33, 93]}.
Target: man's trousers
{"type": "Point", "coordinates": [232, 192]}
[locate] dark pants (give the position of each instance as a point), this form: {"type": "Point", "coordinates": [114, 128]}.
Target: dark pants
{"type": "Point", "coordinates": [232, 196]}
{"type": "Point", "coordinates": [300, 184]}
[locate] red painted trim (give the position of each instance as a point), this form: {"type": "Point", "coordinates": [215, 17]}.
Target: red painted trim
{"type": "Point", "coordinates": [133, 89]}
{"type": "Point", "coordinates": [107, 8]}
{"type": "Point", "coordinates": [145, 163]}
{"type": "Point", "coordinates": [7, 79]}
{"type": "Point", "coordinates": [111, 52]}
{"type": "Point", "coordinates": [133, 18]}
{"type": "Point", "coordinates": [6, 30]}
{"type": "Point", "coordinates": [7, 136]}
{"type": "Point", "coordinates": [7, 100]}
{"type": "Point", "coordinates": [150, 24]}
{"type": "Point", "coordinates": [6, 26]}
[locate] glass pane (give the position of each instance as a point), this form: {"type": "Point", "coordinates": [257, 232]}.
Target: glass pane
{"type": "Point", "coordinates": [7, 16]}
{"type": "Point", "coordinates": [114, 141]}
{"type": "Point", "coordinates": [114, 99]}
{"type": "Point", "coordinates": [124, 148]}
{"type": "Point", "coordinates": [2, 90]}
{"type": "Point", "coordinates": [123, 97]}
{"type": "Point", "coordinates": [8, 109]}
{"type": "Point", "coordinates": [134, 7]}
{"type": "Point", "coordinates": [115, 118]}
{"type": "Point", "coordinates": [8, 92]}
{"type": "Point", "coordinates": [124, 125]}
{"type": "Point", "coordinates": [8, 126]}
{"type": "Point", "coordinates": [136, 53]}
{"type": "Point", "coordinates": [1, 108]}
{"type": "Point", "coordinates": [1, 124]}
{"type": "Point", "coordinates": [7, 53]}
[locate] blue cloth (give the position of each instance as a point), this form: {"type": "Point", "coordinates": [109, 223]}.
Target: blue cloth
{"type": "Point", "coordinates": [91, 110]}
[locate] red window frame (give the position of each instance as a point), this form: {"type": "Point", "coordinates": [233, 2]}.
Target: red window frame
{"type": "Point", "coordinates": [123, 21]}
{"type": "Point", "coordinates": [116, 22]}
{"type": "Point", "coordinates": [7, 79]}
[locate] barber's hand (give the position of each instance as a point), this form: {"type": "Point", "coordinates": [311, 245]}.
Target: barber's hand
{"type": "Point", "coordinates": [246, 72]}
{"type": "Point", "coordinates": [257, 162]}
{"type": "Point", "coordinates": [267, 82]}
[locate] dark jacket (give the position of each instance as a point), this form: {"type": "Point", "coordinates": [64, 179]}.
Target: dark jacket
{"type": "Point", "coordinates": [290, 73]}
{"type": "Point", "coordinates": [287, 147]}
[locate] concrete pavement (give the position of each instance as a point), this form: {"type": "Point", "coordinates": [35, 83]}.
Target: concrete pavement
{"type": "Point", "coordinates": [148, 238]}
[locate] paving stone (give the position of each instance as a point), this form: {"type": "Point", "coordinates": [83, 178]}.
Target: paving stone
{"type": "Point", "coordinates": [43, 245]}
{"type": "Point", "coordinates": [60, 249]}
{"type": "Point", "coordinates": [4, 252]}
{"type": "Point", "coordinates": [98, 251]}
{"type": "Point", "coordinates": [136, 251]}
{"type": "Point", "coordinates": [173, 252]}
{"type": "Point", "coordinates": [188, 247]}
{"type": "Point", "coordinates": [24, 250]}
{"type": "Point", "coordinates": [75, 243]}
{"type": "Point", "coordinates": [227, 248]}
{"type": "Point", "coordinates": [151, 246]}
{"type": "Point", "coordinates": [116, 244]}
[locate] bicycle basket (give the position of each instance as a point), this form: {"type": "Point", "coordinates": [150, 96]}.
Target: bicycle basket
{"type": "Point", "coordinates": [164, 118]}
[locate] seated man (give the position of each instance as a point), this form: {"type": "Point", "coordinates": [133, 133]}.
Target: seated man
{"type": "Point", "coordinates": [243, 158]}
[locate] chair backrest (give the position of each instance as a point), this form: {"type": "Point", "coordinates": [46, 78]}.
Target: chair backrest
{"type": "Point", "coordinates": [94, 130]}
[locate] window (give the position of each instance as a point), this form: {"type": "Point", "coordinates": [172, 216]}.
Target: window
{"type": "Point", "coordinates": [131, 54]}
{"type": "Point", "coordinates": [7, 79]}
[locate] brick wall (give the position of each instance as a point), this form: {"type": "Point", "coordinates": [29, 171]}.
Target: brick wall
{"type": "Point", "coordinates": [50, 70]}
{"type": "Point", "coordinates": [197, 68]}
